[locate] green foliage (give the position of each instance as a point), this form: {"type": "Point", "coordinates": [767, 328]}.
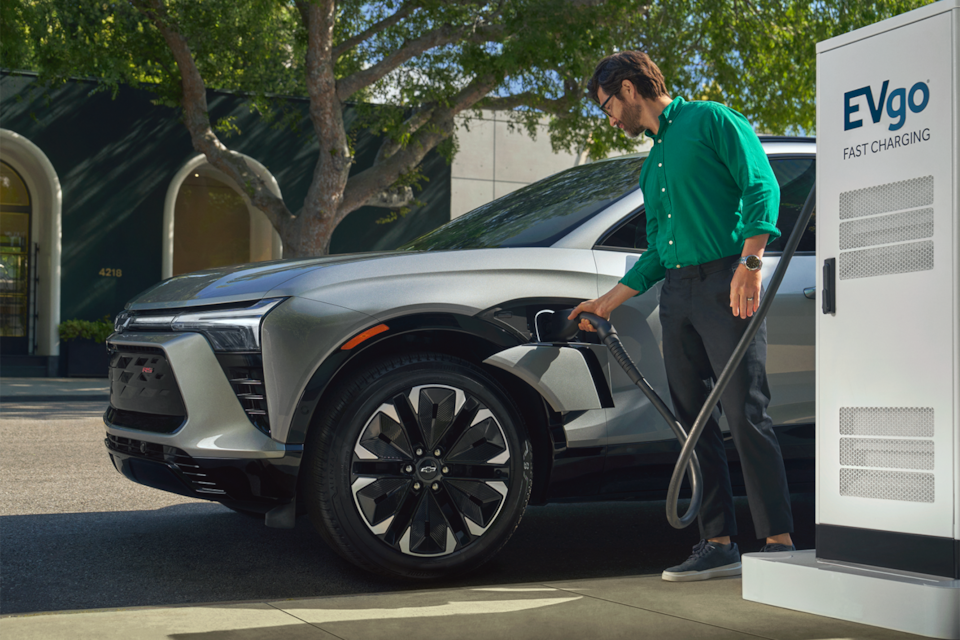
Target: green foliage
{"type": "Point", "coordinates": [96, 330]}
{"type": "Point", "coordinates": [758, 56]}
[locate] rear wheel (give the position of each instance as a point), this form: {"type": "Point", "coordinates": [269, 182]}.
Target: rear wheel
{"type": "Point", "coordinates": [420, 468]}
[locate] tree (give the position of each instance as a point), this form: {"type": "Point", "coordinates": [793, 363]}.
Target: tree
{"type": "Point", "coordinates": [424, 62]}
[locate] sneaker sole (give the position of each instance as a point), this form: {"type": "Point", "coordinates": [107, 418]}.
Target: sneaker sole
{"type": "Point", "coordinates": [693, 576]}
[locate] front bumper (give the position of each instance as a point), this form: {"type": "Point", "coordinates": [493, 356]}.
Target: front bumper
{"type": "Point", "coordinates": [184, 430]}
{"type": "Point", "coordinates": [256, 485]}
{"type": "Point", "coordinates": [213, 423]}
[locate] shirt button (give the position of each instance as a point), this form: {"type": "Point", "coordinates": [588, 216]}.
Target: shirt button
{"type": "Point", "coordinates": [669, 121]}
{"type": "Point", "coordinates": [671, 242]}
{"type": "Point", "coordinates": [678, 266]}
{"type": "Point", "coordinates": [669, 215]}
{"type": "Point", "coordinates": [664, 189]}
{"type": "Point", "coordinates": [660, 165]}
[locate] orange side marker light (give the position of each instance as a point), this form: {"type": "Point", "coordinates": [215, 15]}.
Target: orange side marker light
{"type": "Point", "coordinates": [360, 337]}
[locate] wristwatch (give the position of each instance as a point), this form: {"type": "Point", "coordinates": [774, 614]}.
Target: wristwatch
{"type": "Point", "coordinates": [752, 263]}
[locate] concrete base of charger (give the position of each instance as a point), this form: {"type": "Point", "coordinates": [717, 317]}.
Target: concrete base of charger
{"type": "Point", "coordinates": [910, 602]}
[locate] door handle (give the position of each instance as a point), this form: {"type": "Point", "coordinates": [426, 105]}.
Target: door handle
{"type": "Point", "coordinates": [810, 293]}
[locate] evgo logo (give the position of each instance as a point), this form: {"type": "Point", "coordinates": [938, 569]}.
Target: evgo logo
{"type": "Point", "coordinates": [896, 104]}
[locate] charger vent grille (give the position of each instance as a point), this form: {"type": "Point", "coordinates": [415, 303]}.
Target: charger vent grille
{"type": "Point", "coordinates": [904, 486]}
{"type": "Point", "coordinates": [884, 261]}
{"type": "Point", "coordinates": [894, 196]}
{"type": "Point", "coordinates": [887, 453]}
{"type": "Point", "coordinates": [897, 227]}
{"type": "Point", "coordinates": [909, 422]}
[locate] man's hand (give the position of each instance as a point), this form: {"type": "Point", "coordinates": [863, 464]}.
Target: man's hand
{"type": "Point", "coordinates": [590, 306]}
{"type": "Point", "coordinates": [604, 305]}
{"type": "Point", "coordinates": [745, 292]}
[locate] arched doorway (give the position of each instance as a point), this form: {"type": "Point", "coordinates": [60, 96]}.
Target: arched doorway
{"type": "Point", "coordinates": [16, 264]}
{"type": "Point", "coordinates": [210, 223]}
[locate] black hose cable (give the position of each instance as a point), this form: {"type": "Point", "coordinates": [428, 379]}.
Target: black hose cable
{"type": "Point", "coordinates": [610, 338]}
{"type": "Point", "coordinates": [687, 452]}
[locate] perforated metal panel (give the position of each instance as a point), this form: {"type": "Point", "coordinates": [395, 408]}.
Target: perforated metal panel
{"type": "Point", "coordinates": [883, 261]}
{"type": "Point", "coordinates": [904, 486]}
{"type": "Point", "coordinates": [894, 196]}
{"type": "Point", "coordinates": [898, 227]}
{"type": "Point", "coordinates": [915, 422]}
{"type": "Point", "coordinates": [887, 453]}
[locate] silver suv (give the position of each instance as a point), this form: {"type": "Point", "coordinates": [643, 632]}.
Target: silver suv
{"type": "Point", "coordinates": [406, 401]}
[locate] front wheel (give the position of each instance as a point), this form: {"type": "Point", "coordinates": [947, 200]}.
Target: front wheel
{"type": "Point", "coordinates": [421, 467]}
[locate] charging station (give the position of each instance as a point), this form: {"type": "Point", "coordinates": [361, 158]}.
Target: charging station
{"type": "Point", "coordinates": [888, 337]}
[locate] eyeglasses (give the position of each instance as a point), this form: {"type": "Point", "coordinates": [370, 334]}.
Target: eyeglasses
{"type": "Point", "coordinates": [603, 107]}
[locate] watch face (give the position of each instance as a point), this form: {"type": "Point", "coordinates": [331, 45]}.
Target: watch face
{"type": "Point", "coordinates": [752, 263]}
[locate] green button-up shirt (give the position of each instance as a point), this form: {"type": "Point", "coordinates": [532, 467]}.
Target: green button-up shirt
{"type": "Point", "coordinates": [707, 186]}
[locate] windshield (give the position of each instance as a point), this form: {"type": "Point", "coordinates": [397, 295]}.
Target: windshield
{"type": "Point", "coordinates": [539, 214]}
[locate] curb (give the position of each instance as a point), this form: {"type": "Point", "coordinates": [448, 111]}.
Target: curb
{"type": "Point", "coordinates": [57, 398]}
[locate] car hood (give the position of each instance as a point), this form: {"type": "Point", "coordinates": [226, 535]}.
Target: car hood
{"type": "Point", "coordinates": [235, 283]}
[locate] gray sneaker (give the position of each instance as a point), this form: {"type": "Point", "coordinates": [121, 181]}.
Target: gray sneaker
{"type": "Point", "coordinates": [709, 560]}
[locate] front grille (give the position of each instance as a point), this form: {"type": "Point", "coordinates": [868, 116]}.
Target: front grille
{"type": "Point", "coordinates": [245, 373]}
{"type": "Point", "coordinates": [143, 421]}
{"type": "Point", "coordinates": [176, 458]}
{"type": "Point", "coordinates": [143, 389]}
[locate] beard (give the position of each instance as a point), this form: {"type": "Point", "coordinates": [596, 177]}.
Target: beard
{"type": "Point", "coordinates": [630, 120]}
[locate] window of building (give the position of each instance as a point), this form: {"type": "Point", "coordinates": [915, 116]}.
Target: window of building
{"type": "Point", "coordinates": [212, 227]}
{"type": "Point", "coordinates": [15, 252]}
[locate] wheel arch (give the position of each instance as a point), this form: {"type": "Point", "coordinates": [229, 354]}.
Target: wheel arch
{"type": "Point", "coordinates": [469, 338]}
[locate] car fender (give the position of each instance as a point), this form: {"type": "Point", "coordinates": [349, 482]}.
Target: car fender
{"type": "Point", "coordinates": [570, 377]}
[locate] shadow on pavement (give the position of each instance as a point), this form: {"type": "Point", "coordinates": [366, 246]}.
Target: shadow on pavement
{"type": "Point", "coordinates": [201, 553]}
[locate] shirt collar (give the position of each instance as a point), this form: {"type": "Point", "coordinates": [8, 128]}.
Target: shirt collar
{"type": "Point", "coordinates": [666, 118]}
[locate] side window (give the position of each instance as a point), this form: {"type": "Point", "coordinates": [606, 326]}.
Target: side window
{"type": "Point", "coordinates": [629, 234]}
{"type": "Point", "coordinates": [796, 177]}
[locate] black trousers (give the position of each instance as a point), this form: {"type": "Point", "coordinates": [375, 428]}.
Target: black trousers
{"type": "Point", "coordinates": [700, 333]}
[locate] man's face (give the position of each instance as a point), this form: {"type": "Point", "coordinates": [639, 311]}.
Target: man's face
{"type": "Point", "coordinates": [625, 114]}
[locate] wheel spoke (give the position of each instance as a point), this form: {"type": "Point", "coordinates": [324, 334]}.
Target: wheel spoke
{"type": "Point", "coordinates": [379, 468]}
{"type": "Point", "coordinates": [461, 422]}
{"type": "Point", "coordinates": [477, 501]}
{"type": "Point", "coordinates": [481, 443]}
{"type": "Point", "coordinates": [380, 499]}
{"type": "Point", "coordinates": [384, 436]}
{"type": "Point", "coordinates": [401, 521]}
{"type": "Point", "coordinates": [428, 530]}
{"type": "Point", "coordinates": [454, 515]}
{"type": "Point", "coordinates": [478, 472]}
{"type": "Point", "coordinates": [409, 422]}
{"type": "Point", "coordinates": [436, 408]}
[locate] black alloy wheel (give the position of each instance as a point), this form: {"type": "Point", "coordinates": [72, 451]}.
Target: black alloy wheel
{"type": "Point", "coordinates": [421, 469]}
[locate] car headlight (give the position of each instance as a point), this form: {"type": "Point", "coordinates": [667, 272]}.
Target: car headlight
{"type": "Point", "coordinates": [229, 329]}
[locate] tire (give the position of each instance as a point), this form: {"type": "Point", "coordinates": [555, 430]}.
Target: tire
{"type": "Point", "coordinates": [382, 496]}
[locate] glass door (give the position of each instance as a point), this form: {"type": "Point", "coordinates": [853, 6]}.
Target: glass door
{"type": "Point", "coordinates": [14, 262]}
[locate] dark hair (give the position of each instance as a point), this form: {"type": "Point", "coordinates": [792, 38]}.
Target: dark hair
{"type": "Point", "coordinates": [635, 66]}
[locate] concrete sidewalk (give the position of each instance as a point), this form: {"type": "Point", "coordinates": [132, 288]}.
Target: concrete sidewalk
{"type": "Point", "coordinates": [632, 607]}
{"type": "Point", "coordinates": [54, 389]}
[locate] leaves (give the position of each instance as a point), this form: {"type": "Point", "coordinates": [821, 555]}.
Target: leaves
{"type": "Point", "coordinates": [413, 65]}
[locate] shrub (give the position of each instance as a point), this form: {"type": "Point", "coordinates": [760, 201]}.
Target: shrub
{"type": "Point", "coordinates": [96, 330]}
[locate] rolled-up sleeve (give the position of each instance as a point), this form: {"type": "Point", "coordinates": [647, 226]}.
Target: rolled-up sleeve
{"type": "Point", "coordinates": [740, 149]}
{"type": "Point", "coordinates": [647, 271]}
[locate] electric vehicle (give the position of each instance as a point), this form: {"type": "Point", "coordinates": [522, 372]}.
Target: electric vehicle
{"type": "Point", "coordinates": [375, 392]}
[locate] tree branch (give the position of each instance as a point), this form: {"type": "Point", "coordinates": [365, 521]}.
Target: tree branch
{"type": "Point", "coordinates": [197, 120]}
{"type": "Point", "coordinates": [572, 94]}
{"type": "Point", "coordinates": [373, 30]}
{"type": "Point", "coordinates": [439, 37]}
{"type": "Point", "coordinates": [410, 126]}
{"type": "Point", "coordinates": [439, 127]}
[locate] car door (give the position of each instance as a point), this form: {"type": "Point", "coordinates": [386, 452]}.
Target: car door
{"type": "Point", "coordinates": [636, 434]}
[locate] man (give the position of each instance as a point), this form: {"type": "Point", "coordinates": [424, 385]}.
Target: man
{"type": "Point", "coordinates": [712, 203]}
